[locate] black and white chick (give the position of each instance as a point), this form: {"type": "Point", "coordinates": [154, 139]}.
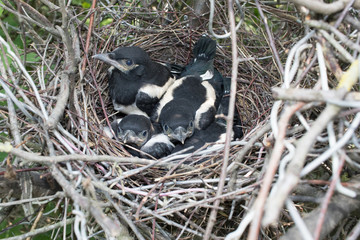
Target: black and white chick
{"type": "Point", "coordinates": [136, 83]}
{"type": "Point", "coordinates": [202, 65]}
{"type": "Point", "coordinates": [188, 104]}
{"type": "Point", "coordinates": [216, 131]}
{"type": "Point", "coordinates": [191, 102]}
{"type": "Point", "coordinates": [138, 132]}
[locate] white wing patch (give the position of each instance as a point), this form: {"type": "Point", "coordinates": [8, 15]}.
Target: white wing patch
{"type": "Point", "coordinates": [108, 132]}
{"type": "Point", "coordinates": [128, 109]}
{"type": "Point", "coordinates": [222, 138]}
{"type": "Point", "coordinates": [208, 75]}
{"type": "Point", "coordinates": [156, 91]}
{"type": "Point", "coordinates": [210, 102]}
{"type": "Point", "coordinates": [168, 96]}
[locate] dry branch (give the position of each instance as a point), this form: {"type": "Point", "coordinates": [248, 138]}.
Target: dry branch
{"type": "Point", "coordinates": [325, 8]}
{"type": "Point", "coordinates": [339, 208]}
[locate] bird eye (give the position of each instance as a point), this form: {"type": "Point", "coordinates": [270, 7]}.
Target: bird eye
{"type": "Point", "coordinates": [144, 133]}
{"type": "Point", "coordinates": [166, 128]}
{"type": "Point", "coordinates": [191, 124]}
{"type": "Point", "coordinates": [129, 62]}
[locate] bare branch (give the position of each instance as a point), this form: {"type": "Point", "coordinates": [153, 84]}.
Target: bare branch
{"type": "Point", "coordinates": [325, 8]}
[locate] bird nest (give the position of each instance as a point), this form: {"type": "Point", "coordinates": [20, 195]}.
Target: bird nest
{"type": "Point", "coordinates": [299, 114]}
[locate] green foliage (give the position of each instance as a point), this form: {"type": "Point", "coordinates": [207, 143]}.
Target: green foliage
{"type": "Point", "coordinates": [17, 230]}
{"type": "Point", "coordinates": [106, 21]}
{"type": "Point", "coordinates": [83, 3]}
{"type": "Point", "coordinates": [2, 158]}
{"type": "Point", "coordinates": [24, 228]}
{"type": "Point", "coordinates": [345, 177]}
{"type": "Point", "coordinates": [1, 9]}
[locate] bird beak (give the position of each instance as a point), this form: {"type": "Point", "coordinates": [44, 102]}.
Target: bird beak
{"type": "Point", "coordinates": [105, 58]}
{"type": "Point", "coordinates": [180, 134]}
{"type": "Point", "coordinates": [130, 137]}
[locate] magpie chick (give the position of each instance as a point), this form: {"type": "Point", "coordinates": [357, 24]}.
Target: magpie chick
{"type": "Point", "coordinates": [136, 83]}
{"type": "Point", "coordinates": [134, 130]}
{"type": "Point", "coordinates": [188, 104]}
{"type": "Point", "coordinates": [216, 131]}
{"type": "Point", "coordinates": [138, 132]}
{"type": "Point", "coordinates": [203, 66]}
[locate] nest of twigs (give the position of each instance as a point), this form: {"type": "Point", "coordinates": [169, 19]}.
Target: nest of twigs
{"type": "Point", "coordinates": [300, 125]}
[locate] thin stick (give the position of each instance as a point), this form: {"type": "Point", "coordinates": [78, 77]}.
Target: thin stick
{"type": "Point", "coordinates": [88, 37]}
{"type": "Point", "coordinates": [229, 125]}
{"type": "Point", "coordinates": [271, 169]}
{"type": "Point", "coordinates": [271, 39]}
{"type": "Point", "coordinates": [327, 199]}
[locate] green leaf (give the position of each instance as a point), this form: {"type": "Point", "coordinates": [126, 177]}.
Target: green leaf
{"type": "Point", "coordinates": [1, 9]}
{"type": "Point", "coordinates": [3, 155]}
{"type": "Point", "coordinates": [106, 21]}
{"type": "Point", "coordinates": [86, 5]}
{"type": "Point", "coordinates": [32, 57]}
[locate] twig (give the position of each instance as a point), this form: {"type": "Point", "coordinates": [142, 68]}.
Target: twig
{"type": "Point", "coordinates": [271, 39]}
{"type": "Point", "coordinates": [135, 205]}
{"type": "Point", "coordinates": [343, 13]}
{"type": "Point", "coordinates": [27, 76]}
{"type": "Point", "coordinates": [33, 157]}
{"type": "Point", "coordinates": [127, 220]}
{"type": "Point", "coordinates": [277, 199]}
{"type": "Point", "coordinates": [211, 19]}
{"type": "Point", "coordinates": [250, 144]}
{"type": "Point", "coordinates": [355, 232]}
{"type": "Point", "coordinates": [88, 37]}
{"type": "Point", "coordinates": [328, 27]}
{"type": "Point", "coordinates": [337, 45]}
{"type": "Point", "coordinates": [339, 144]}
{"type": "Point", "coordinates": [271, 168]}
{"type": "Point", "coordinates": [62, 99]}
{"type": "Point", "coordinates": [304, 231]}
{"type": "Point", "coordinates": [33, 200]}
{"type": "Point", "coordinates": [111, 227]}
{"type": "Point", "coordinates": [339, 208]}
{"type": "Point", "coordinates": [325, 8]}
{"type": "Point", "coordinates": [229, 124]}
{"type": "Point", "coordinates": [327, 199]}
{"type": "Point", "coordinates": [310, 95]}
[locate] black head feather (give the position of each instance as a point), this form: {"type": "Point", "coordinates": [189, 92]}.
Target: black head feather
{"type": "Point", "coordinates": [126, 59]}
{"type": "Point", "coordinates": [134, 130]}
{"type": "Point", "coordinates": [177, 120]}
{"type": "Point", "coordinates": [136, 83]}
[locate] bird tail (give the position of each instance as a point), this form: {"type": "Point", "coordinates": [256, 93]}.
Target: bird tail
{"type": "Point", "coordinates": [204, 49]}
{"type": "Point", "coordinates": [175, 69]}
